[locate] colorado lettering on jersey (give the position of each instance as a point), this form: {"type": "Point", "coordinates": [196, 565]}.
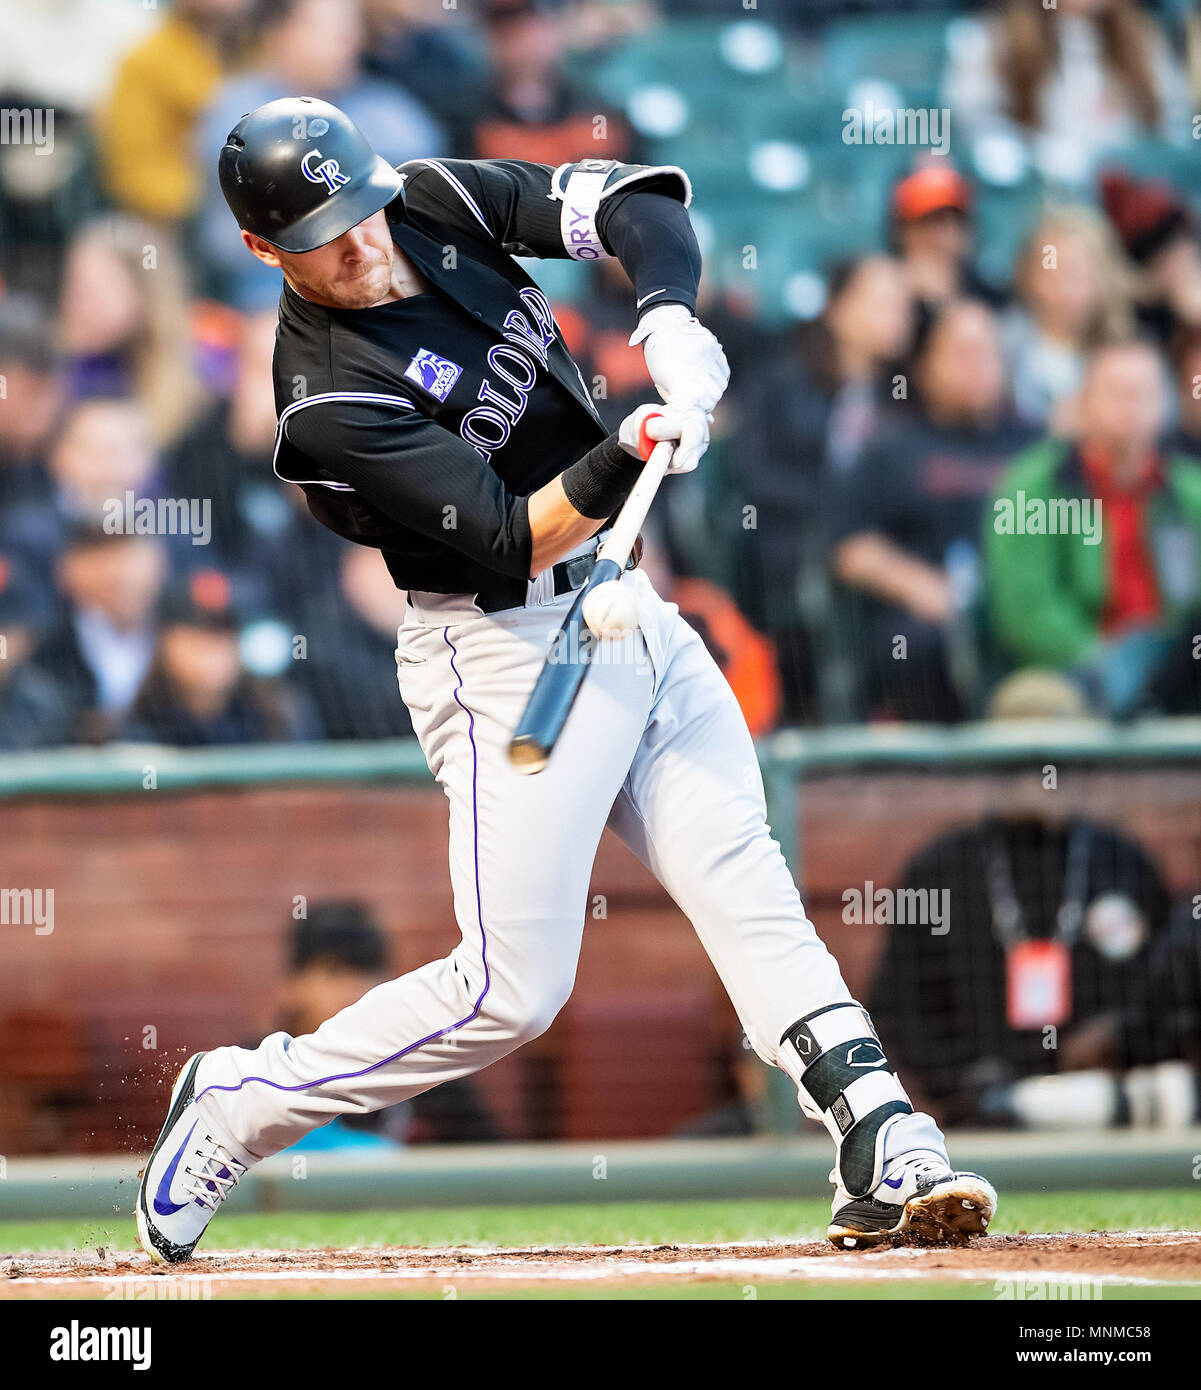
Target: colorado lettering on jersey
{"type": "Point", "coordinates": [514, 363]}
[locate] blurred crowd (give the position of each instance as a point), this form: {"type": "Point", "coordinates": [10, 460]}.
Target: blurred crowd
{"type": "Point", "coordinates": [934, 493]}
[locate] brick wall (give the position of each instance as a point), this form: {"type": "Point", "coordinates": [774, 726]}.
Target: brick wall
{"type": "Point", "coordinates": [171, 912]}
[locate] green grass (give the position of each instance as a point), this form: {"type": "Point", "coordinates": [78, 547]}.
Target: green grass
{"type": "Point", "coordinates": [615, 1223]}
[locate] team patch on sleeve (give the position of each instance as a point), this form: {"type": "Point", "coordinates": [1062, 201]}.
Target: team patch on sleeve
{"type": "Point", "coordinates": [433, 373]}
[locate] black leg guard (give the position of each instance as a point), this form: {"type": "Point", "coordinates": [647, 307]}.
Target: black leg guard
{"type": "Point", "coordinates": [846, 1084]}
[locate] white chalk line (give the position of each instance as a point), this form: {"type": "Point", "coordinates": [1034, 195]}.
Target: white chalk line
{"type": "Point", "coordinates": [804, 1269]}
{"type": "Point", "coordinates": [746, 1270]}
{"type": "Point", "coordinates": [620, 1263]}
{"type": "Point", "coordinates": [1119, 1239]}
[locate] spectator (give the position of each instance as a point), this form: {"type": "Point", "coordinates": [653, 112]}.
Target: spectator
{"type": "Point", "coordinates": [197, 692]}
{"type": "Point", "coordinates": [599, 26]}
{"type": "Point", "coordinates": [744, 1106]}
{"type": "Point", "coordinates": [1073, 292]}
{"type": "Point", "coordinates": [1163, 1021]}
{"type": "Point", "coordinates": [531, 110]}
{"type": "Point", "coordinates": [33, 710]}
{"type": "Point", "coordinates": [102, 450]}
{"type": "Point", "coordinates": [934, 238]}
{"type": "Point", "coordinates": [1186, 365]}
{"type": "Point", "coordinates": [1072, 80]}
{"type": "Point", "coordinates": [124, 322]}
{"type": "Point", "coordinates": [100, 651]}
{"type": "Point", "coordinates": [905, 524]}
{"type": "Point", "coordinates": [314, 47]}
{"type": "Point", "coordinates": [746, 657]}
{"type": "Point", "coordinates": [1035, 694]}
{"type": "Point", "coordinates": [145, 129]}
{"type": "Point", "coordinates": [46, 190]}
{"type": "Point", "coordinates": [64, 55]}
{"type": "Point", "coordinates": [102, 453]}
{"type": "Point", "coordinates": [349, 668]}
{"type": "Point", "coordinates": [28, 409]}
{"type": "Point", "coordinates": [1107, 592]}
{"type": "Point", "coordinates": [56, 62]}
{"type": "Point", "coordinates": [960, 996]}
{"type": "Point", "coordinates": [1160, 234]}
{"type": "Point", "coordinates": [336, 954]}
{"type": "Point", "coordinates": [808, 414]}
{"type": "Point", "coordinates": [226, 457]}
{"type": "Point", "coordinates": [428, 51]}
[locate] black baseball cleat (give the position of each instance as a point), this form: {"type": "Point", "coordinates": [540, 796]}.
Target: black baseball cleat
{"type": "Point", "coordinates": [921, 1201]}
{"type": "Point", "coordinates": [186, 1178]}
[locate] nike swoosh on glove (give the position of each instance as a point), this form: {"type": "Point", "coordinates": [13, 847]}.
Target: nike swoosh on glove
{"type": "Point", "coordinates": [689, 429]}
{"type": "Point", "coordinates": [684, 359]}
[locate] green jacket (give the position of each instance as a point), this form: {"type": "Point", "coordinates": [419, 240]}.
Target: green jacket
{"type": "Point", "coordinates": [1046, 592]}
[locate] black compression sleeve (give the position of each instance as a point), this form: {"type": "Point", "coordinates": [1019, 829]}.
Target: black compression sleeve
{"type": "Point", "coordinates": [651, 235]}
{"type": "Point", "coordinates": [599, 483]}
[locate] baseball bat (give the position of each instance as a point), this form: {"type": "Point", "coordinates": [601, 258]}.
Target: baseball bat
{"type": "Point", "coordinates": [570, 653]}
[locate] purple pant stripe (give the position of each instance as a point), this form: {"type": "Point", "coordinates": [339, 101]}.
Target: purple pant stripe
{"type": "Point", "coordinates": [462, 1023]}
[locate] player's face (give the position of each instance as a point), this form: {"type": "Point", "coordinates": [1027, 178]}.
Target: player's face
{"type": "Point", "coordinates": [354, 271]}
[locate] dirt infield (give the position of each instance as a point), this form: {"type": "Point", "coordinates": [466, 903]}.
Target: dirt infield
{"type": "Point", "coordinates": [1123, 1258]}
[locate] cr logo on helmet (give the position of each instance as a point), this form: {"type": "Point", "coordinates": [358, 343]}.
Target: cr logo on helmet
{"type": "Point", "coordinates": [326, 172]}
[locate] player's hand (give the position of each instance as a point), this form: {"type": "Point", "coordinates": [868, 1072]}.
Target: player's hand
{"type": "Point", "coordinates": [684, 359]}
{"type": "Point", "coordinates": [687, 429]}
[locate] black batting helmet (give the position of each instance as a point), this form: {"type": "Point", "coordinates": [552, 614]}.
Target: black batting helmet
{"type": "Point", "coordinates": [298, 172]}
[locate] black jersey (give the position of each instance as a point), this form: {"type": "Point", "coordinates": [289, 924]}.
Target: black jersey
{"type": "Point", "coordinates": [420, 426]}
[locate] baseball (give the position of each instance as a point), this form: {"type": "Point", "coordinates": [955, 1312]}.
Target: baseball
{"type": "Point", "coordinates": [610, 610]}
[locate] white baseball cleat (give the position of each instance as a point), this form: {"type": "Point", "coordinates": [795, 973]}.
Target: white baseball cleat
{"type": "Point", "coordinates": [187, 1177]}
{"type": "Point", "coordinates": [920, 1199]}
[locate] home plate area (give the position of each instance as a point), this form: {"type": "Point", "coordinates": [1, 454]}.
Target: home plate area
{"type": "Point", "coordinates": [1056, 1261]}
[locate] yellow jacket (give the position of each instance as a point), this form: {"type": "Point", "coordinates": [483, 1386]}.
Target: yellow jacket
{"type": "Point", "coordinates": [145, 128]}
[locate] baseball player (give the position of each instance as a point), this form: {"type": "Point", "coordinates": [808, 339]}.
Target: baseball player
{"type": "Point", "coordinates": [429, 408]}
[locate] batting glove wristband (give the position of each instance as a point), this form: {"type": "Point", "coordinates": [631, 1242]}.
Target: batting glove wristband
{"type": "Point", "coordinates": [688, 429]}
{"type": "Point", "coordinates": [684, 359]}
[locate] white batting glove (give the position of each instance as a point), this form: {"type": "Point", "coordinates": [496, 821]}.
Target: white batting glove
{"type": "Point", "coordinates": [688, 429]}
{"type": "Point", "coordinates": [684, 359]}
